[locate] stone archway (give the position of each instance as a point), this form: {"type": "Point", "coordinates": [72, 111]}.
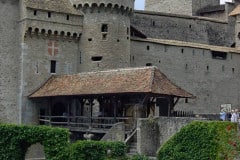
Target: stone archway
{"type": "Point", "coordinates": [35, 152]}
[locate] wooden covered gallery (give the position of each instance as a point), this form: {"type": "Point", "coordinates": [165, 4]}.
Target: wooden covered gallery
{"type": "Point", "coordinates": [95, 101]}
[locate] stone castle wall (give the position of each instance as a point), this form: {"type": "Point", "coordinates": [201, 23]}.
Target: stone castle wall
{"type": "Point", "coordinates": [184, 28]}
{"type": "Point", "coordinates": [213, 81]}
{"type": "Point", "coordinates": [37, 64]}
{"type": "Point", "coordinates": [10, 61]}
{"type": "Point", "coordinates": [107, 48]}
{"type": "Point", "coordinates": [153, 133]}
{"type": "Point", "coordinates": [183, 7]}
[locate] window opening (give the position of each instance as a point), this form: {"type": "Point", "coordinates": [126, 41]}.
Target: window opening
{"type": "Point", "coordinates": [233, 69]}
{"type": "Point", "coordinates": [49, 14]}
{"type": "Point", "coordinates": [207, 67]}
{"type": "Point", "coordinates": [104, 28]}
{"type": "Point", "coordinates": [53, 66]}
{"type": "Point", "coordinates": [97, 58]}
{"type": "Point", "coordinates": [153, 23]}
{"type": "Point", "coordinates": [219, 55]}
{"type": "Point", "coordinates": [186, 100]}
{"type": "Point", "coordinates": [182, 50]}
{"type": "Point", "coordinates": [90, 39]}
{"type": "Point", "coordinates": [104, 36]}
{"type": "Point", "coordinates": [67, 17]}
{"type": "Point", "coordinates": [35, 12]}
{"type": "Point", "coordinates": [148, 64]}
{"type": "Point", "coordinates": [148, 47]}
{"type": "Point", "coordinates": [80, 57]}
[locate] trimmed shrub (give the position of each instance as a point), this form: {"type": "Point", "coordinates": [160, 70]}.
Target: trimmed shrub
{"type": "Point", "coordinates": [16, 139]}
{"type": "Point", "coordinates": [202, 141]}
{"type": "Point", "coordinates": [99, 150]}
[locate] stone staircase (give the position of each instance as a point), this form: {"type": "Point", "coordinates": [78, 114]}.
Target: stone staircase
{"type": "Point", "coordinates": [132, 150]}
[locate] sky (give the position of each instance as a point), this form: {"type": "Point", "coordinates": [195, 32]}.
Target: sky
{"type": "Point", "coordinates": [139, 4]}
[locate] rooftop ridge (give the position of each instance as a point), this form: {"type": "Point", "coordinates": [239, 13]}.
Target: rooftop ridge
{"type": "Point", "coordinates": [111, 71]}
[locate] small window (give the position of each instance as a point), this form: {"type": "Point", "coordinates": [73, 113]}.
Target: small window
{"type": "Point", "coordinates": [80, 57]}
{"type": "Point", "coordinates": [104, 36]}
{"type": "Point", "coordinates": [104, 28]}
{"type": "Point", "coordinates": [67, 17]}
{"type": "Point", "coordinates": [148, 47]}
{"type": "Point", "coordinates": [53, 67]}
{"type": "Point", "coordinates": [233, 70]}
{"type": "Point", "coordinates": [182, 50]}
{"type": "Point", "coordinates": [186, 100]}
{"type": "Point", "coordinates": [207, 67]}
{"type": "Point", "coordinates": [49, 14]}
{"type": "Point", "coordinates": [97, 58]}
{"type": "Point", "coordinates": [219, 55]}
{"type": "Point", "coordinates": [89, 39]}
{"type": "Point", "coordinates": [153, 23]}
{"type": "Point", "coordinates": [148, 64]}
{"type": "Point", "coordinates": [35, 12]}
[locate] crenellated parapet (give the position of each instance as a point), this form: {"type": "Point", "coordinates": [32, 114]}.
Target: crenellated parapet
{"type": "Point", "coordinates": [122, 5]}
{"type": "Point", "coordinates": [52, 33]}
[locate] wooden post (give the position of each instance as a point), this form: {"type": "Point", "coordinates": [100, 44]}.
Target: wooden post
{"type": "Point", "coordinates": [68, 112]}
{"type": "Point", "coordinates": [114, 109]}
{"type": "Point", "coordinates": [50, 111]}
{"type": "Point", "coordinates": [91, 112]}
{"type": "Point", "coordinates": [169, 106]}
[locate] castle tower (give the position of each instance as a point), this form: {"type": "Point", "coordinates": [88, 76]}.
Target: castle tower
{"type": "Point", "coordinates": [105, 40]}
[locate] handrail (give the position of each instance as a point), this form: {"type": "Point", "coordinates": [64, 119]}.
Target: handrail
{"type": "Point", "coordinates": [129, 138]}
{"type": "Point", "coordinates": [84, 121]}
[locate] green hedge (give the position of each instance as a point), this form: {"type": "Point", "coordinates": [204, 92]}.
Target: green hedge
{"type": "Point", "coordinates": [202, 141]}
{"type": "Point", "coordinates": [16, 139]}
{"type": "Point", "coordinates": [99, 150]}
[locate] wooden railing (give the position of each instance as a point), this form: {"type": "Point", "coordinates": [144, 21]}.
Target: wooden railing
{"type": "Point", "coordinates": [85, 122]}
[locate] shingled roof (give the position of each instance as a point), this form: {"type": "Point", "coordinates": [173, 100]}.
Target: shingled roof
{"type": "Point", "coordinates": [129, 80]}
{"type": "Point", "coordinates": [63, 6]}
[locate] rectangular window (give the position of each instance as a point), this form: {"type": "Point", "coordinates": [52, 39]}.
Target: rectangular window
{"type": "Point", "coordinates": [35, 12]}
{"type": "Point", "coordinates": [53, 66]}
{"type": "Point", "coordinates": [49, 14]}
{"type": "Point", "coordinates": [67, 17]}
{"type": "Point", "coordinates": [104, 28]}
{"type": "Point", "coordinates": [219, 55]}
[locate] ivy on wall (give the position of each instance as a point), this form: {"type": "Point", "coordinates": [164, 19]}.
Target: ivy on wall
{"type": "Point", "coordinates": [16, 139]}
{"type": "Point", "coordinates": [202, 141]}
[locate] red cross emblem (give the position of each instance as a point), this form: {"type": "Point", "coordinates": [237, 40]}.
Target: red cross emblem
{"type": "Point", "coordinates": [52, 48]}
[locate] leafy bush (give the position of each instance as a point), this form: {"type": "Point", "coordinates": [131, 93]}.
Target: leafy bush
{"type": "Point", "coordinates": [16, 139]}
{"type": "Point", "coordinates": [202, 141]}
{"type": "Point", "coordinates": [99, 150]}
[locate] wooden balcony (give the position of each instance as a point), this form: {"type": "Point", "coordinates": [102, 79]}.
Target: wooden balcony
{"type": "Point", "coordinates": [86, 124]}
